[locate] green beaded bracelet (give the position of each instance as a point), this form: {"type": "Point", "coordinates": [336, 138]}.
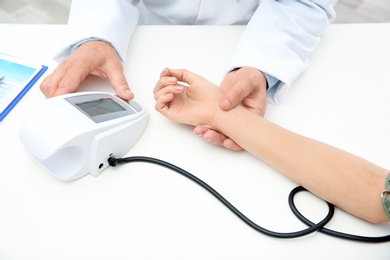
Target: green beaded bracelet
{"type": "Point", "coordinates": [386, 197]}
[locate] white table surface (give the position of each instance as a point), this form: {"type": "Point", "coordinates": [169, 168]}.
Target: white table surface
{"type": "Point", "coordinates": [142, 211]}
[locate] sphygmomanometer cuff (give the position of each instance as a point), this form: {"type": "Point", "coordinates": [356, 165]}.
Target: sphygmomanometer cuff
{"type": "Point", "coordinates": [386, 197]}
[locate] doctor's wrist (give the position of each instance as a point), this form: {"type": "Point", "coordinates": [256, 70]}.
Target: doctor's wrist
{"type": "Point", "coordinates": [77, 44]}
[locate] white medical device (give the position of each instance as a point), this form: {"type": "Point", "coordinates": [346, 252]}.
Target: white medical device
{"type": "Point", "coordinates": [75, 134]}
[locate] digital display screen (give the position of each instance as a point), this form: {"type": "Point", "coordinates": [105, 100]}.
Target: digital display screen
{"type": "Point", "coordinates": [100, 107]}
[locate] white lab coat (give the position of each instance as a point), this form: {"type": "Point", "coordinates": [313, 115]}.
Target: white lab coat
{"type": "Point", "coordinates": [279, 38]}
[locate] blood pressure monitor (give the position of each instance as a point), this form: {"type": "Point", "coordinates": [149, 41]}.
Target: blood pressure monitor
{"type": "Point", "coordinates": [73, 135]}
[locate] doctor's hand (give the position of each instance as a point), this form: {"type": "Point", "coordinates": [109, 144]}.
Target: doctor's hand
{"type": "Point", "coordinates": [246, 86]}
{"type": "Point", "coordinates": [192, 105]}
{"type": "Point", "coordinates": [93, 57]}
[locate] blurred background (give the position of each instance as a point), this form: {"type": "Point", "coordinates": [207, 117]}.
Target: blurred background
{"type": "Point", "coordinates": [57, 11]}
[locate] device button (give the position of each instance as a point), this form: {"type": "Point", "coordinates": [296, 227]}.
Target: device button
{"type": "Point", "coordinates": [135, 105]}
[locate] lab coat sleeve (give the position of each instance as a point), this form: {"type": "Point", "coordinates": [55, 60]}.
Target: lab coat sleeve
{"type": "Point", "coordinates": [280, 38]}
{"type": "Point", "coordinates": [111, 20]}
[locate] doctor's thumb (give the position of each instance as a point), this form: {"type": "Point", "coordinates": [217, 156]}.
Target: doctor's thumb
{"type": "Point", "coordinates": [225, 104]}
{"type": "Point", "coordinates": [229, 102]}
{"type": "Point", "coordinates": [123, 90]}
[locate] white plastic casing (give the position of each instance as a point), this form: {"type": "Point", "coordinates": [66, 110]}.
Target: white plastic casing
{"type": "Point", "coordinates": [69, 144]}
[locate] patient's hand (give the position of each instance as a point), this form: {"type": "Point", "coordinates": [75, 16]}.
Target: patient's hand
{"type": "Point", "coordinates": [246, 87]}
{"type": "Point", "coordinates": [186, 98]}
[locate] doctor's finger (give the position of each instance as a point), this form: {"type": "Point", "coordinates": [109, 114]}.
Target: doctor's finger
{"type": "Point", "coordinates": [49, 84]}
{"type": "Point", "coordinates": [66, 85]}
{"type": "Point", "coordinates": [57, 83]}
{"type": "Point", "coordinates": [216, 138]}
{"type": "Point", "coordinates": [231, 145]}
{"type": "Point", "coordinates": [70, 81]}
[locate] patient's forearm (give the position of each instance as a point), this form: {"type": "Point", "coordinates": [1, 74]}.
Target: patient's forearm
{"type": "Point", "coordinates": [349, 182]}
